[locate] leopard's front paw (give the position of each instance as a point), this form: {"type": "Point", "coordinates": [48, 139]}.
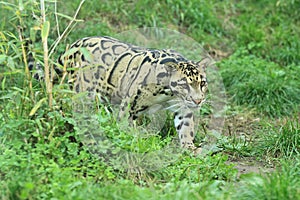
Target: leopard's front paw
{"type": "Point", "coordinates": [197, 151]}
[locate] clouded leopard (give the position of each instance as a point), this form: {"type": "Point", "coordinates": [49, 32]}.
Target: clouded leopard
{"type": "Point", "coordinates": [138, 78]}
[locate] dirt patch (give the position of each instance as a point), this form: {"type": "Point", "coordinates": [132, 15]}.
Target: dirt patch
{"type": "Point", "coordinates": [245, 167]}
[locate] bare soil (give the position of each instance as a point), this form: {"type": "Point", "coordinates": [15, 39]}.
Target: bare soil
{"type": "Point", "coordinates": [244, 167]}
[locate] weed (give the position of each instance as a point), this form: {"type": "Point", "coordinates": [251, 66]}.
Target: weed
{"type": "Point", "coordinates": [281, 141]}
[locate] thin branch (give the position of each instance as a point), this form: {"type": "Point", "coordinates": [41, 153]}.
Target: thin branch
{"type": "Point", "coordinates": [56, 18]}
{"type": "Point", "coordinates": [43, 11]}
{"type": "Point", "coordinates": [66, 29]}
{"type": "Point", "coordinates": [27, 72]}
{"type": "Point", "coordinates": [24, 53]}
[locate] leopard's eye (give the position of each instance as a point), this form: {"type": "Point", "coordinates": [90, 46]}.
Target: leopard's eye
{"type": "Point", "coordinates": [185, 86]}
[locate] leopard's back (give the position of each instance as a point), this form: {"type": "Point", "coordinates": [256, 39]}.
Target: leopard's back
{"type": "Point", "coordinates": [113, 68]}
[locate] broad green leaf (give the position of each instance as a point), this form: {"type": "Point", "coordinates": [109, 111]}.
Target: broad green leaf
{"type": "Point", "coordinates": [45, 30]}
{"type": "Point", "coordinates": [37, 106]}
{"type": "Point", "coordinates": [87, 54]}
{"type": "Point", "coordinates": [70, 52]}
{"type": "Point", "coordinates": [32, 34]}
{"type": "Point", "coordinates": [68, 17]}
{"type": "Point", "coordinates": [10, 63]}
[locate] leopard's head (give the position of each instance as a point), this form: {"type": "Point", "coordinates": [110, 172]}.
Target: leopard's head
{"type": "Point", "coordinates": [188, 81]}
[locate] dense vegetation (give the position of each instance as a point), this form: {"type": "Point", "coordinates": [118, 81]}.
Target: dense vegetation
{"type": "Point", "coordinates": [256, 45]}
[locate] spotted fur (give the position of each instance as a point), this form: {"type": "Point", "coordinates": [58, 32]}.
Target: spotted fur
{"type": "Point", "coordinates": [138, 78]}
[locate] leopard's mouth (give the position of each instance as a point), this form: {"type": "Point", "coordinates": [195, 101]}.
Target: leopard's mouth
{"type": "Point", "coordinates": [194, 104]}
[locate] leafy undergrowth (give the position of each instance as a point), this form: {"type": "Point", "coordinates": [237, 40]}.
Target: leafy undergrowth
{"type": "Point", "coordinates": [35, 165]}
{"type": "Point", "coordinates": [58, 168]}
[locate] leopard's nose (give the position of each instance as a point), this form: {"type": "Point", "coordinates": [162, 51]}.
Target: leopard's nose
{"type": "Point", "coordinates": [197, 101]}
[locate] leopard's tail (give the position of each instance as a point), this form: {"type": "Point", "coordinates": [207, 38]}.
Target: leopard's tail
{"type": "Point", "coordinates": [36, 67]}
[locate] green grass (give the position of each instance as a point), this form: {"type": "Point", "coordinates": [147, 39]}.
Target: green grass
{"type": "Point", "coordinates": [281, 184]}
{"type": "Point", "coordinates": [282, 141]}
{"type": "Point", "coordinates": [269, 88]}
{"type": "Point", "coordinates": [257, 48]}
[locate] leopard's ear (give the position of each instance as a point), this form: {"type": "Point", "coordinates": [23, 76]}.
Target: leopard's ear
{"type": "Point", "coordinates": [171, 66]}
{"type": "Point", "coordinates": [204, 63]}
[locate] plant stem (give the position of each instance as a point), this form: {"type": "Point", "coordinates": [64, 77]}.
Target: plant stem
{"type": "Point", "coordinates": [48, 79]}
{"type": "Point", "coordinates": [27, 72]}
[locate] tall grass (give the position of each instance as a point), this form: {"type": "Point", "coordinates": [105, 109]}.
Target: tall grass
{"type": "Point", "coordinates": [270, 89]}
{"type": "Point", "coordinates": [281, 141]}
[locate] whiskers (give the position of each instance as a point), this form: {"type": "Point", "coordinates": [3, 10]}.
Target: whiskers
{"type": "Point", "coordinates": [202, 102]}
{"type": "Point", "coordinates": [175, 105]}
{"type": "Point", "coordinates": [206, 101]}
